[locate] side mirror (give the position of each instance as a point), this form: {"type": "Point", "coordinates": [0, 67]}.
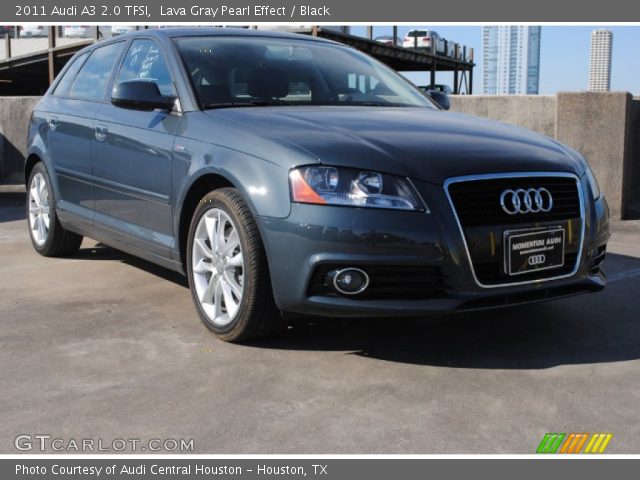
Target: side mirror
{"type": "Point", "coordinates": [140, 95]}
{"type": "Point", "coordinates": [441, 98]}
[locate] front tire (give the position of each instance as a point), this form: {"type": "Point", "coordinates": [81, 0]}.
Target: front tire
{"type": "Point", "coordinates": [227, 269]}
{"type": "Point", "coordinates": [48, 237]}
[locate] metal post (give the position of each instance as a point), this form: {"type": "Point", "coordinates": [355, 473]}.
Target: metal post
{"type": "Point", "coordinates": [370, 32]}
{"type": "Point", "coordinates": [433, 73]}
{"type": "Point", "coordinates": [471, 73]}
{"type": "Point", "coordinates": [395, 35]}
{"type": "Point", "coordinates": [456, 53]}
{"type": "Point", "coordinates": [7, 45]}
{"type": "Point", "coordinates": [456, 89]}
{"type": "Point", "coordinates": [52, 59]}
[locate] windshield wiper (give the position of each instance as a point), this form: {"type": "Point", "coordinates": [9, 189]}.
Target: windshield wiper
{"type": "Point", "coordinates": [281, 103]}
{"type": "Point", "coordinates": [250, 103]}
{"type": "Point", "coordinates": [372, 104]}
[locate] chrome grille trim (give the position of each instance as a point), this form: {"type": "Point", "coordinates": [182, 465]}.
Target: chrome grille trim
{"type": "Point", "coordinates": [493, 176]}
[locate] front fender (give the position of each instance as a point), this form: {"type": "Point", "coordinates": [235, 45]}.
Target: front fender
{"type": "Point", "coordinates": [264, 185]}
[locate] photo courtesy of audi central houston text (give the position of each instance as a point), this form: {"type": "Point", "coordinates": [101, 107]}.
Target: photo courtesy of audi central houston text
{"type": "Point", "coordinates": [291, 176]}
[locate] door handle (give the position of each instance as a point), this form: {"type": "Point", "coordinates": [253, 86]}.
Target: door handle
{"type": "Point", "coordinates": [53, 122]}
{"type": "Point", "coordinates": [101, 132]}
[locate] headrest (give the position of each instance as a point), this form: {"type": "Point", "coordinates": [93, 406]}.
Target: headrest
{"type": "Point", "coordinates": [267, 83]}
{"type": "Point", "coordinates": [214, 94]}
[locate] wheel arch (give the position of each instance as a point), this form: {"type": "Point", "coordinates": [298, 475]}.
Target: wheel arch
{"type": "Point", "coordinates": [30, 162]}
{"type": "Point", "coordinates": [202, 185]}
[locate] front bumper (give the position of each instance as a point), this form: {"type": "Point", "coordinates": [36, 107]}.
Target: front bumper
{"type": "Point", "coordinates": [313, 236]}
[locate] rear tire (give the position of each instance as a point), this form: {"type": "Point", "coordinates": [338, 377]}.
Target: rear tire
{"type": "Point", "coordinates": [227, 269]}
{"type": "Point", "coordinates": [48, 237]}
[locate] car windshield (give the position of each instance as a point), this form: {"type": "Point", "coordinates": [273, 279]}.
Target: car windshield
{"type": "Point", "coordinates": [240, 71]}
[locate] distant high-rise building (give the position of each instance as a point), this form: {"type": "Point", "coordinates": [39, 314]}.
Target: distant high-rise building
{"type": "Point", "coordinates": [511, 60]}
{"type": "Point", "coordinates": [600, 61]}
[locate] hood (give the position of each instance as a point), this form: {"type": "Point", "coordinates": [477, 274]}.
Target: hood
{"type": "Point", "coordinates": [428, 145]}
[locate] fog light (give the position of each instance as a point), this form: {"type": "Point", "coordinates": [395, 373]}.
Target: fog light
{"type": "Point", "coordinates": [348, 281]}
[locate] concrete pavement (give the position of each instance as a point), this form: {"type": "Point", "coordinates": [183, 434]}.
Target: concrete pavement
{"type": "Point", "coordinates": [105, 346]}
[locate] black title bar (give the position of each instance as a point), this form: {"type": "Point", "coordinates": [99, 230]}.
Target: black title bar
{"type": "Point", "coordinates": [313, 11]}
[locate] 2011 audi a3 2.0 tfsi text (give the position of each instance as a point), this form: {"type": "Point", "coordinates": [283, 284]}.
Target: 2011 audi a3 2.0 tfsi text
{"type": "Point", "coordinates": [290, 175]}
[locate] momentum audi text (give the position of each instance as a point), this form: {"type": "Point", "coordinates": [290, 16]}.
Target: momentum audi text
{"type": "Point", "coordinates": [288, 174]}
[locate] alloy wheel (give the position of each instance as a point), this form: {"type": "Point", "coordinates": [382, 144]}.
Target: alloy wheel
{"type": "Point", "coordinates": [39, 219]}
{"type": "Point", "coordinates": [218, 266]}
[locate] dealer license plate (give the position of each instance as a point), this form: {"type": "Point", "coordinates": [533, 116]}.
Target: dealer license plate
{"type": "Point", "coordinates": [527, 251]}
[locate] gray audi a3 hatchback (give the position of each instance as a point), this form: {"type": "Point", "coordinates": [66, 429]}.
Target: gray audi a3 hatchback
{"type": "Point", "coordinates": [285, 174]}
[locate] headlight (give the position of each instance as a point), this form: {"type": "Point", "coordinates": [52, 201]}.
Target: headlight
{"type": "Point", "coordinates": [351, 187]}
{"type": "Point", "coordinates": [593, 183]}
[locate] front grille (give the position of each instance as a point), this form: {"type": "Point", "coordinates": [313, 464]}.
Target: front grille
{"type": "Point", "coordinates": [483, 221]}
{"type": "Point", "coordinates": [477, 202]}
{"type": "Point", "coordinates": [387, 282]}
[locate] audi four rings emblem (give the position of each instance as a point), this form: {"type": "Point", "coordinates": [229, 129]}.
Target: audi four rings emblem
{"type": "Point", "coordinates": [526, 200]}
{"type": "Point", "coordinates": [536, 259]}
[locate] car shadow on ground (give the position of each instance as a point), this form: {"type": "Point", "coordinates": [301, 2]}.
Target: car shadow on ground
{"type": "Point", "coordinates": [103, 252]}
{"type": "Point", "coordinates": [12, 208]}
{"type": "Point", "coordinates": [594, 328]}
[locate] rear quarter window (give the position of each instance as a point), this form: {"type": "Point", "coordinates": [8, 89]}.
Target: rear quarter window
{"type": "Point", "coordinates": [69, 75]}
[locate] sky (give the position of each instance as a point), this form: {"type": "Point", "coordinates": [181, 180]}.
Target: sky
{"type": "Point", "coordinates": [564, 56]}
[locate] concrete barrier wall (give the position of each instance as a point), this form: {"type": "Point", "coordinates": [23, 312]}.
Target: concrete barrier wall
{"type": "Point", "coordinates": [597, 125]}
{"type": "Point", "coordinates": [633, 176]}
{"type": "Point", "coordinates": [24, 46]}
{"type": "Point", "coordinates": [604, 127]}
{"type": "Point", "coordinates": [14, 119]}
{"type": "Point", "coordinates": [536, 112]}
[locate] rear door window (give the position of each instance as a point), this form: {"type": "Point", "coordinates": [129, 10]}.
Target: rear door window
{"type": "Point", "coordinates": [91, 82]}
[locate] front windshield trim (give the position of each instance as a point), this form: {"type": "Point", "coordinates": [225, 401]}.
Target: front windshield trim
{"type": "Point", "coordinates": [404, 89]}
